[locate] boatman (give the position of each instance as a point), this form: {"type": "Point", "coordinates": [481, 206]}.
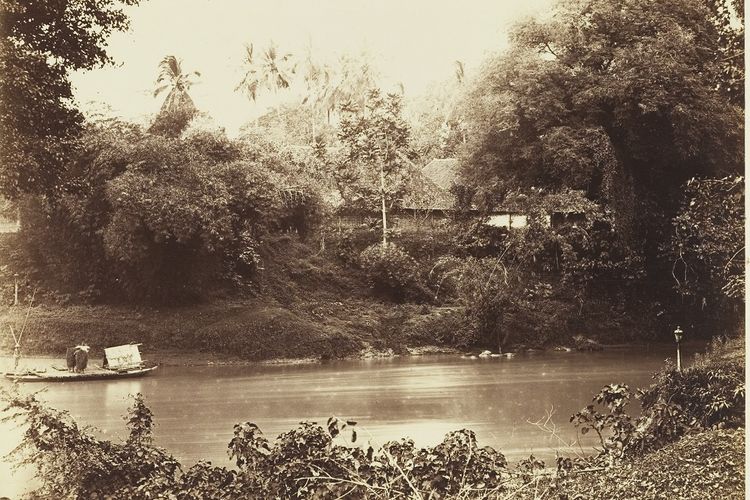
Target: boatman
{"type": "Point", "coordinates": [81, 357]}
{"type": "Point", "coordinates": [70, 358]}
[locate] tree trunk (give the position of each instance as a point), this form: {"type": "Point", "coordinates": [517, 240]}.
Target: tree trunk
{"type": "Point", "coordinates": [312, 123]}
{"type": "Point", "coordinates": [501, 342]}
{"type": "Point", "coordinates": [382, 200]}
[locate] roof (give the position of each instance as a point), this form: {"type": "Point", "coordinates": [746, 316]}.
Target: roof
{"type": "Point", "coordinates": [568, 202]}
{"type": "Point", "coordinates": [430, 186]}
{"type": "Point", "coordinates": [443, 172]}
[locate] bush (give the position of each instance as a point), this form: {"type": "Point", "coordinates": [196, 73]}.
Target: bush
{"type": "Point", "coordinates": [708, 395]}
{"type": "Point", "coordinates": [348, 244]}
{"type": "Point", "coordinates": [72, 463]}
{"type": "Point", "coordinates": [150, 218]}
{"type": "Point", "coordinates": [444, 327]}
{"type": "Point", "coordinates": [391, 271]}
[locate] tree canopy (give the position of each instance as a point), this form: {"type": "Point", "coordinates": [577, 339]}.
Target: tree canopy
{"type": "Point", "coordinates": [616, 97]}
{"type": "Point", "coordinates": [41, 42]}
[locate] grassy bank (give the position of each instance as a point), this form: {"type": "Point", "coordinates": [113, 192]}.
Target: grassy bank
{"type": "Point", "coordinates": [304, 305]}
{"type": "Point", "coordinates": [252, 329]}
{"type": "Point", "coordinates": [709, 464]}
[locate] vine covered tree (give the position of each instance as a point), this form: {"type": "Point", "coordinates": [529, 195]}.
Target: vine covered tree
{"type": "Point", "coordinates": [707, 246]}
{"type": "Point", "coordinates": [628, 111]}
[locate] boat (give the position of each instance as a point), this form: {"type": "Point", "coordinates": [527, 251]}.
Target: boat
{"type": "Point", "coordinates": [121, 362]}
{"type": "Point", "coordinates": [66, 376]}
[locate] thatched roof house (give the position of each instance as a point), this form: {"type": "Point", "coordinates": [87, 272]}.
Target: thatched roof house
{"type": "Point", "coordinates": [432, 191]}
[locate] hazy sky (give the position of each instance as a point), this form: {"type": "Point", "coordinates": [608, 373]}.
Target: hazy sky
{"type": "Point", "coordinates": [415, 42]}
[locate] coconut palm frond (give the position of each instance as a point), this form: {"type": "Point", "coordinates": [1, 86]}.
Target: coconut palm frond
{"type": "Point", "coordinates": [169, 68]}
{"type": "Point", "coordinates": [249, 86]}
{"type": "Point", "coordinates": [161, 88]}
{"type": "Point", "coordinates": [459, 71]}
{"type": "Point", "coordinates": [174, 65]}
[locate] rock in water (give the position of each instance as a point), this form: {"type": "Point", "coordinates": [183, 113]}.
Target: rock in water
{"type": "Point", "coordinates": [585, 344]}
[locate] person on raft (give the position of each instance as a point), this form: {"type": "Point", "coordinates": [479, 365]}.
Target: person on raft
{"type": "Point", "coordinates": [77, 358]}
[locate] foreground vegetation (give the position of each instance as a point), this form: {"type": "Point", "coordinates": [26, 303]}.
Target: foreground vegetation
{"type": "Point", "coordinates": [688, 439]}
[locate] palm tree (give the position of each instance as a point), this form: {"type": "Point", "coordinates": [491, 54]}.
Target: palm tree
{"type": "Point", "coordinates": [276, 70]}
{"type": "Point", "coordinates": [178, 82]}
{"type": "Point", "coordinates": [349, 84]}
{"type": "Point", "coordinates": [178, 107]}
{"type": "Point", "coordinates": [272, 72]}
{"type": "Point", "coordinates": [459, 72]}
{"type": "Point", "coordinates": [317, 79]}
{"type": "Point", "coordinates": [460, 76]}
{"type": "Point", "coordinates": [251, 81]}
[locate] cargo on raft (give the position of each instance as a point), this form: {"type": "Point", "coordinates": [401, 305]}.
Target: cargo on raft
{"type": "Point", "coordinates": [119, 362]}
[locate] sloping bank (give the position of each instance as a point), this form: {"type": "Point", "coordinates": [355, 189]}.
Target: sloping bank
{"type": "Point", "coordinates": [247, 329]}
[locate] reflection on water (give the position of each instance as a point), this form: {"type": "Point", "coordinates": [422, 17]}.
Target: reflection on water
{"type": "Point", "coordinates": [195, 408]}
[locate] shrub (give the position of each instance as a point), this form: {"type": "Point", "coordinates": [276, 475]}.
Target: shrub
{"type": "Point", "coordinates": [72, 463]}
{"type": "Point", "coordinates": [709, 395]}
{"type": "Point", "coordinates": [347, 244]}
{"type": "Point", "coordinates": [450, 327]}
{"type": "Point", "coordinates": [391, 271]}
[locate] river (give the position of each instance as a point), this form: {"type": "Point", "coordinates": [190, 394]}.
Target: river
{"type": "Point", "coordinates": [421, 397]}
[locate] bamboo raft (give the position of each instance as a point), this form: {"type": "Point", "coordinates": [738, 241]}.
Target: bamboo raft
{"type": "Point", "coordinates": [66, 376]}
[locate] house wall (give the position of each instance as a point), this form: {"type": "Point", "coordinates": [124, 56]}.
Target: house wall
{"type": "Point", "coordinates": [509, 220]}
{"type": "Point", "coordinates": [9, 226]}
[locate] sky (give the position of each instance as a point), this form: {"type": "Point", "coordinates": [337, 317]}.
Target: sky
{"type": "Point", "coordinates": [413, 42]}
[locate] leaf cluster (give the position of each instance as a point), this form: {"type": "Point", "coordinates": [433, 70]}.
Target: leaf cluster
{"type": "Point", "coordinates": [41, 43]}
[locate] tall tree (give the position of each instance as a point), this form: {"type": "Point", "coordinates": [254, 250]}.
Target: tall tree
{"type": "Point", "coordinates": [349, 84]}
{"type": "Point", "coordinates": [590, 99]}
{"type": "Point", "coordinates": [251, 81]}
{"type": "Point", "coordinates": [41, 43]}
{"type": "Point", "coordinates": [317, 78]}
{"type": "Point", "coordinates": [178, 108]}
{"type": "Point", "coordinates": [376, 140]}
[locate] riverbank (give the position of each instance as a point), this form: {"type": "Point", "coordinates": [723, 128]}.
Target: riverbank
{"type": "Point", "coordinates": [304, 305]}
{"type": "Point", "coordinates": [254, 329]}
{"type": "Point", "coordinates": [709, 464]}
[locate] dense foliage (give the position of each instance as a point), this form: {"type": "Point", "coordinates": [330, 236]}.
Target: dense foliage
{"type": "Point", "coordinates": [548, 276]}
{"type": "Point", "coordinates": [306, 462]}
{"type": "Point", "coordinates": [625, 113]}
{"type": "Point", "coordinates": [708, 395]}
{"type": "Point", "coordinates": [156, 218]}
{"type": "Point", "coordinates": [707, 245]}
{"type": "Point", "coordinates": [41, 43]}
{"type": "Point", "coordinates": [391, 271]}
{"type": "Point", "coordinates": [590, 96]}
